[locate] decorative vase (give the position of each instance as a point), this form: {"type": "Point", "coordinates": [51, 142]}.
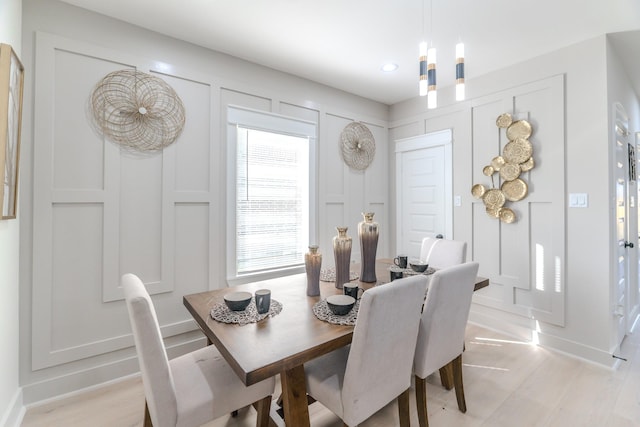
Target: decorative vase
{"type": "Point", "coordinates": [342, 255]}
{"type": "Point", "coordinates": [368, 234]}
{"type": "Point", "coordinates": [312, 263]}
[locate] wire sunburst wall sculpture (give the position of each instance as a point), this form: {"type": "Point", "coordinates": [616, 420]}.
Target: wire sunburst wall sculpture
{"type": "Point", "coordinates": [358, 147]}
{"type": "Point", "coordinates": [137, 110]}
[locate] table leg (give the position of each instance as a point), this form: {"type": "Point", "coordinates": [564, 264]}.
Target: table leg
{"type": "Point", "coordinates": [294, 394]}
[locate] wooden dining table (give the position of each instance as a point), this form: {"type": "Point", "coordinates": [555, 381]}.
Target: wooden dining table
{"type": "Point", "coordinates": [280, 344]}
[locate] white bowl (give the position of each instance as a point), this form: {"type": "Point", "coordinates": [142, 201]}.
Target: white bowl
{"type": "Point", "coordinates": [340, 304]}
{"type": "Point", "coordinates": [237, 301]}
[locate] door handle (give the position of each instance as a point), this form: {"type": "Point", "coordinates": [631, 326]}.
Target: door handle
{"type": "Point", "coordinates": [628, 244]}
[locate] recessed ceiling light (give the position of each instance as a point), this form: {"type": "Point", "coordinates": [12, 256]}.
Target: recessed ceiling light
{"type": "Point", "coordinates": [387, 68]}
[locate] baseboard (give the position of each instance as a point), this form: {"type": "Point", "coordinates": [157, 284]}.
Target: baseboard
{"type": "Point", "coordinates": [84, 380]}
{"type": "Point", "coordinates": [524, 329]}
{"type": "Point", "coordinates": [15, 411]}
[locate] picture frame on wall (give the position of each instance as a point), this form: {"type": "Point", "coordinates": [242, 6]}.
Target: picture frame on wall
{"type": "Point", "coordinates": [11, 88]}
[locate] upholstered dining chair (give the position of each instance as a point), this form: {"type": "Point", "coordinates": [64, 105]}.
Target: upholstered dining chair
{"type": "Point", "coordinates": [356, 381]}
{"type": "Point", "coordinates": [441, 333]}
{"type": "Point", "coordinates": [442, 253]}
{"type": "Point", "coordinates": [192, 389]}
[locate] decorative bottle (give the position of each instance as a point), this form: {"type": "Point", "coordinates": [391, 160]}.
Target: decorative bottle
{"type": "Point", "coordinates": [342, 255]}
{"type": "Point", "coordinates": [312, 263]}
{"type": "Point", "coordinates": [368, 234]}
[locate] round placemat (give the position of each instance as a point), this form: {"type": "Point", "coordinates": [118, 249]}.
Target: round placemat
{"type": "Point", "coordinates": [329, 275]}
{"type": "Point", "coordinates": [410, 272]}
{"type": "Point", "coordinates": [322, 312]}
{"type": "Point", "coordinates": [222, 313]}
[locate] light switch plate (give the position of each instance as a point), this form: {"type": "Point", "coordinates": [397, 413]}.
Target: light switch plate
{"type": "Point", "coordinates": [578, 200]}
{"type": "Point", "coordinates": [457, 201]}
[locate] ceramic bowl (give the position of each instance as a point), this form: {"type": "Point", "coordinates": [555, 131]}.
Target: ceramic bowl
{"type": "Point", "coordinates": [237, 301]}
{"type": "Point", "coordinates": [340, 304]}
{"type": "Point", "coordinates": [418, 266]}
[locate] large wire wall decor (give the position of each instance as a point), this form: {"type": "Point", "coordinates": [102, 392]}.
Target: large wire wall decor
{"type": "Point", "coordinates": [137, 110]}
{"type": "Point", "coordinates": [358, 145]}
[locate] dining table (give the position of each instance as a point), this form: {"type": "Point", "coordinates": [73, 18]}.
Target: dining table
{"type": "Point", "coordinates": [282, 343]}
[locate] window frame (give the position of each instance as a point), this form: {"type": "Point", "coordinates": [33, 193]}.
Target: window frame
{"type": "Point", "coordinates": [268, 122]}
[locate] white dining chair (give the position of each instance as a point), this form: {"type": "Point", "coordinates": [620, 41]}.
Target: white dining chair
{"type": "Point", "coordinates": [356, 381]}
{"type": "Point", "coordinates": [441, 333]}
{"type": "Point", "coordinates": [192, 389]}
{"type": "Point", "coordinates": [442, 253]}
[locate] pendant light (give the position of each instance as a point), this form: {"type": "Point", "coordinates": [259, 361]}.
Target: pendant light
{"type": "Point", "coordinates": [460, 72]}
{"type": "Point", "coordinates": [427, 59]}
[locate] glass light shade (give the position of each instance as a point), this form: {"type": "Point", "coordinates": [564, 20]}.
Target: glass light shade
{"type": "Point", "coordinates": [432, 99]}
{"type": "Point", "coordinates": [460, 92]}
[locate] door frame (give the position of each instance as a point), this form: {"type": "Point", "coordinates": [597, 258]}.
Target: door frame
{"type": "Point", "coordinates": [439, 138]}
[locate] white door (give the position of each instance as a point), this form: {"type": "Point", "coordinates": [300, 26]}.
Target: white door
{"type": "Point", "coordinates": [423, 190]}
{"type": "Point", "coordinates": [623, 243]}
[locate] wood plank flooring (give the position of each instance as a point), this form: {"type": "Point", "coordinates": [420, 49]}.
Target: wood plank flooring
{"type": "Point", "coordinates": [507, 383]}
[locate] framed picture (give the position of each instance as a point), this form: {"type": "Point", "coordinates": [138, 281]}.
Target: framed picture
{"type": "Point", "coordinates": [11, 86]}
{"type": "Point", "coordinates": [632, 162]}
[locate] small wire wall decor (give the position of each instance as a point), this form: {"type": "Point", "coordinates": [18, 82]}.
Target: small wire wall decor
{"type": "Point", "coordinates": [358, 145]}
{"type": "Point", "coordinates": [139, 111]}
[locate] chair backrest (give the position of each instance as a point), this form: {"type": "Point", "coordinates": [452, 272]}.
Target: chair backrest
{"type": "Point", "coordinates": [381, 355]}
{"type": "Point", "coordinates": [444, 317]}
{"type": "Point", "coordinates": [159, 389]}
{"type": "Point", "coordinates": [442, 253]}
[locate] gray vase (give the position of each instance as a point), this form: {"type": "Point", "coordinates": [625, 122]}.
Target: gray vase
{"type": "Point", "coordinates": [312, 264]}
{"type": "Point", "coordinates": [368, 234]}
{"type": "Point", "coordinates": [342, 255]}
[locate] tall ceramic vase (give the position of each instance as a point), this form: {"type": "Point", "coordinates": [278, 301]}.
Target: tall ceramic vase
{"type": "Point", "coordinates": [342, 255]}
{"type": "Point", "coordinates": [312, 263]}
{"type": "Point", "coordinates": [368, 234]}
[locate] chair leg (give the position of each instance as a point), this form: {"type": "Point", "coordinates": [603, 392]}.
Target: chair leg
{"type": "Point", "coordinates": [446, 376]}
{"type": "Point", "coordinates": [403, 409]}
{"type": "Point", "coordinates": [457, 381]}
{"type": "Point", "coordinates": [147, 417]}
{"type": "Point", "coordinates": [263, 406]}
{"type": "Point", "coordinates": [421, 401]}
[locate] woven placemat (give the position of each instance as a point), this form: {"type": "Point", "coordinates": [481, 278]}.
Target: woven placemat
{"type": "Point", "coordinates": [222, 313]}
{"type": "Point", "coordinates": [329, 275]}
{"type": "Point", "coordinates": [410, 272]}
{"type": "Point", "coordinates": [322, 312]}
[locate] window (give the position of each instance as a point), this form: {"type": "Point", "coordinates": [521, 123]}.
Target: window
{"type": "Point", "coordinates": [271, 192]}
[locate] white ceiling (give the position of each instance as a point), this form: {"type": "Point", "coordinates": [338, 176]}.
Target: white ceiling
{"type": "Point", "coordinates": [343, 43]}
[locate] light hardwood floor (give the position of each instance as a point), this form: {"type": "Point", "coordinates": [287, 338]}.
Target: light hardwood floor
{"type": "Point", "coordinates": [507, 383]}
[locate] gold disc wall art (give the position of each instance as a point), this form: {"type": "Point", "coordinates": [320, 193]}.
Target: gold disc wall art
{"type": "Point", "coordinates": [515, 159]}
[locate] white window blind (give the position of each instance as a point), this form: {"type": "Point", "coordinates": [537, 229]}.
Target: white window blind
{"type": "Point", "coordinates": [270, 194]}
{"type": "Point", "coordinates": [272, 200]}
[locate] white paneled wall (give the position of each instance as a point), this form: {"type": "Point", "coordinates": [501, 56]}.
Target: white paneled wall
{"type": "Point", "coordinates": [525, 260]}
{"type": "Point", "coordinates": [100, 211]}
